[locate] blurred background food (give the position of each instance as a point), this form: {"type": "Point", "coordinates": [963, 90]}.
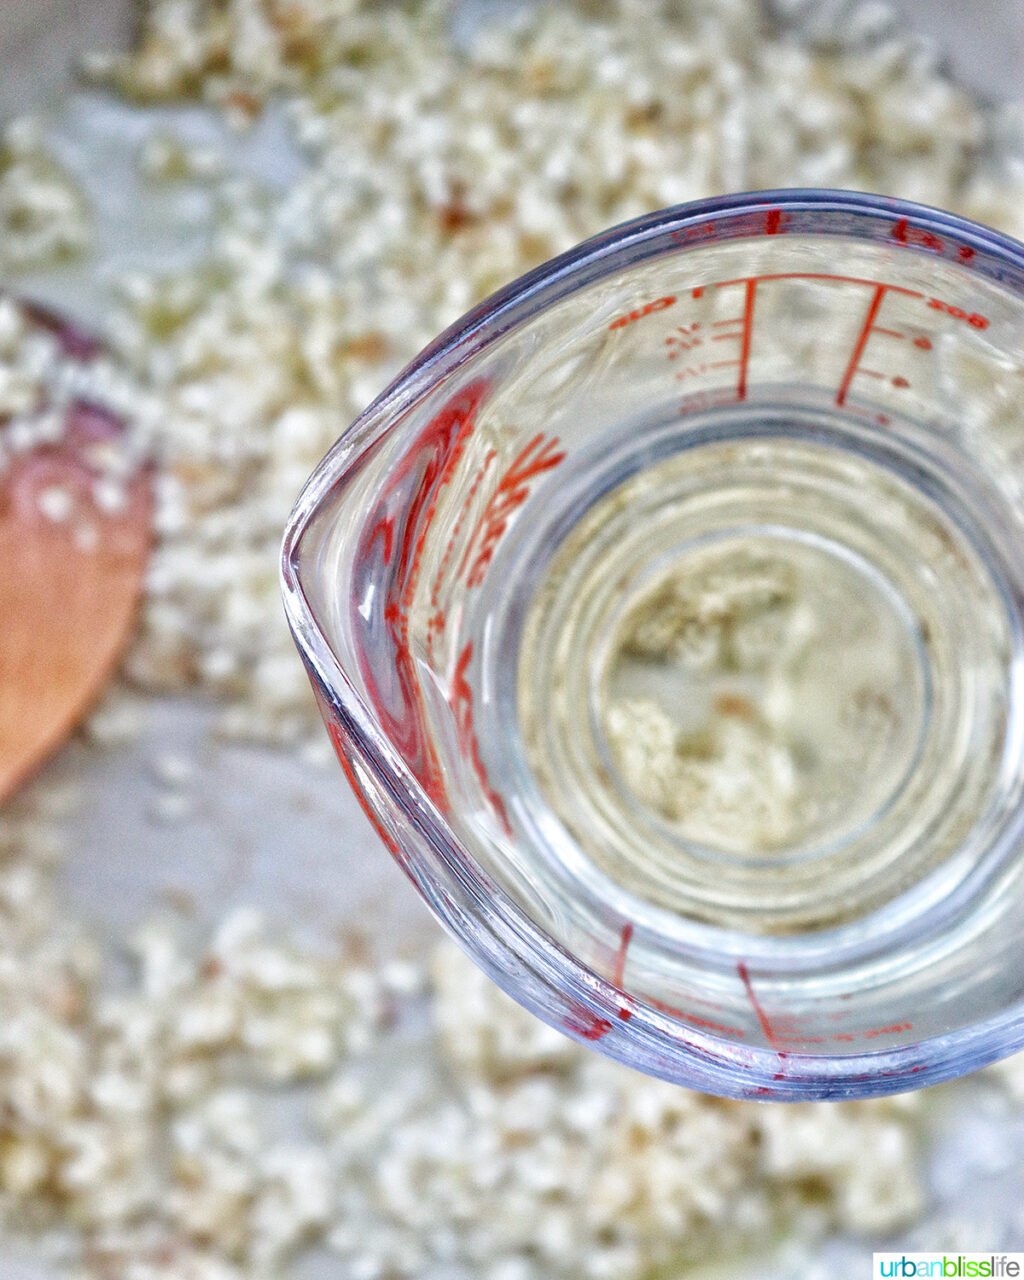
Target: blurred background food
{"type": "Point", "coordinates": [230, 1042]}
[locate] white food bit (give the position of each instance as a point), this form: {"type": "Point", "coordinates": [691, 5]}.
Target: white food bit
{"type": "Point", "coordinates": [1011, 1073]}
{"type": "Point", "coordinates": [403, 978]}
{"type": "Point", "coordinates": [12, 327]}
{"type": "Point", "coordinates": [166, 157]}
{"type": "Point", "coordinates": [171, 807]}
{"type": "Point", "coordinates": [739, 789]}
{"type": "Point", "coordinates": [173, 770]}
{"type": "Point", "coordinates": [55, 503]}
{"type": "Point", "coordinates": [119, 717]}
{"type": "Point", "coordinates": [44, 218]}
{"type": "Point", "coordinates": [109, 496]}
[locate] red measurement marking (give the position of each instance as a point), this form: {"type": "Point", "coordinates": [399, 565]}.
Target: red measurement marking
{"type": "Point", "coordinates": [870, 373]}
{"type": "Point", "coordinates": [583, 1022]}
{"type": "Point", "coordinates": [709, 399]}
{"type": "Point", "coordinates": [965, 253]}
{"type": "Point", "coordinates": [748, 325]}
{"type": "Point", "coordinates": [698, 370]}
{"type": "Point", "coordinates": [900, 382]}
{"type": "Point", "coordinates": [905, 233]}
{"type": "Point", "coordinates": [464, 511]}
{"type": "Point", "coordinates": [923, 343]}
{"type": "Point", "coordinates": [455, 428]}
{"type": "Point", "coordinates": [762, 1018]}
{"type": "Point", "coordinates": [895, 1029]}
{"type": "Point", "coordinates": [447, 436]}
{"type": "Point", "coordinates": [721, 324]}
{"type": "Point", "coordinates": [357, 788]}
{"type": "Point", "coordinates": [684, 338]}
{"type": "Point", "coordinates": [706, 1023]}
{"type": "Point", "coordinates": [649, 308]}
{"type": "Point", "coordinates": [861, 343]}
{"type": "Point", "coordinates": [786, 1023]}
{"type": "Point", "coordinates": [698, 292]}
{"type": "Point", "coordinates": [708, 1004]}
{"type": "Point", "coordinates": [436, 623]}
{"type": "Point", "coordinates": [536, 457]}
{"type": "Point", "coordinates": [385, 530]}
{"type": "Point", "coordinates": [685, 235]}
{"type": "Point", "coordinates": [774, 222]}
{"type": "Point", "coordinates": [430, 464]}
{"type": "Point", "coordinates": [625, 938]}
{"type": "Point", "coordinates": [889, 333]}
{"type": "Point", "coordinates": [619, 967]}
{"type": "Point", "coordinates": [462, 705]}
{"type": "Point", "coordinates": [972, 318]}
{"type": "Point", "coordinates": [725, 337]}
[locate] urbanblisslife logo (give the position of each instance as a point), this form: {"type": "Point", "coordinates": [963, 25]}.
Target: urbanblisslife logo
{"type": "Point", "coordinates": [957, 1266]}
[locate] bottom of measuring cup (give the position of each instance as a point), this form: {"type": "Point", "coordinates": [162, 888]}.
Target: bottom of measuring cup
{"type": "Point", "coordinates": [761, 667]}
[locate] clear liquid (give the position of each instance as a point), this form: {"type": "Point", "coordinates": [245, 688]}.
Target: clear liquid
{"type": "Point", "coordinates": [766, 694]}
{"type": "Point", "coordinates": [763, 679]}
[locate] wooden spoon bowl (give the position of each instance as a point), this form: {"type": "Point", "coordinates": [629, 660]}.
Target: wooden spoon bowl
{"type": "Point", "coordinates": [72, 559]}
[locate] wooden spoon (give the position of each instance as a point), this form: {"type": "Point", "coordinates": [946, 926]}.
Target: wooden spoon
{"type": "Point", "coordinates": [70, 575]}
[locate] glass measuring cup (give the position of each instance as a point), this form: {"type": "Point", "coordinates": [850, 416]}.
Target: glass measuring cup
{"type": "Point", "coordinates": [665, 614]}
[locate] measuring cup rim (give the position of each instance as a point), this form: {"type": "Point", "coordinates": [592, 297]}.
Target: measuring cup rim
{"type": "Point", "coordinates": [514, 951]}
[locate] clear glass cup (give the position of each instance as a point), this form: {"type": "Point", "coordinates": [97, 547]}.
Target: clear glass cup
{"type": "Point", "coordinates": [666, 616]}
